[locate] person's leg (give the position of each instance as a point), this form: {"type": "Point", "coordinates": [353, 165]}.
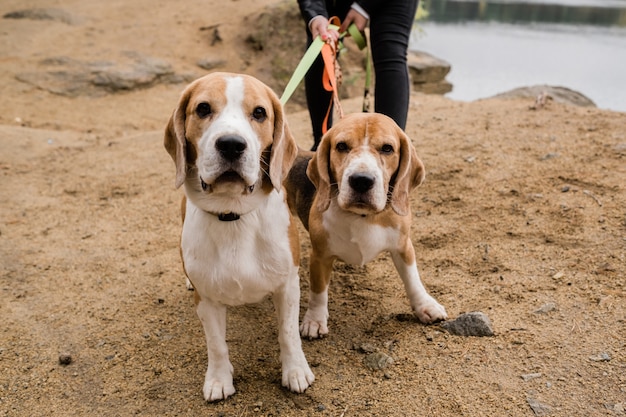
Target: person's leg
{"type": "Point", "coordinates": [317, 98]}
{"type": "Point", "coordinates": [390, 31]}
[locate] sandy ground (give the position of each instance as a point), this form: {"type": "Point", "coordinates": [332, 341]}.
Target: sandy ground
{"type": "Point", "coordinates": [522, 217]}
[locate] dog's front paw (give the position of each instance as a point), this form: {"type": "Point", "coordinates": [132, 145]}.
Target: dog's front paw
{"type": "Point", "coordinates": [430, 311]}
{"type": "Point", "coordinates": [298, 379]}
{"type": "Point", "coordinates": [313, 326]}
{"type": "Point", "coordinates": [216, 389]}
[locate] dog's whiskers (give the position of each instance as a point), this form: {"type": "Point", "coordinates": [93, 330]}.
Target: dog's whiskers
{"type": "Point", "coordinates": [389, 194]}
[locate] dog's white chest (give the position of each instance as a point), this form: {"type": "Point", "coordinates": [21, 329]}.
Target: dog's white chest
{"type": "Point", "coordinates": [240, 261]}
{"type": "Point", "coordinates": [354, 240]}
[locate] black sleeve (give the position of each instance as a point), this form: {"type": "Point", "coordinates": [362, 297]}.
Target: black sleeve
{"type": "Point", "coordinates": [311, 8]}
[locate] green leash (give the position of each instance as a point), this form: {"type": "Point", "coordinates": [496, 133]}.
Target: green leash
{"type": "Point", "coordinates": [311, 54]}
{"type": "Point", "coordinates": [302, 68]}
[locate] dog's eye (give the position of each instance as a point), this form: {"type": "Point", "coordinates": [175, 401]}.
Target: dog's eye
{"type": "Point", "coordinates": [203, 110]}
{"type": "Point", "coordinates": [386, 149]}
{"type": "Point", "coordinates": [341, 147]}
{"type": "Point", "coordinates": [259, 114]}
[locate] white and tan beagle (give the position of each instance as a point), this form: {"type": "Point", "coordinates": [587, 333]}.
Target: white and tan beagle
{"type": "Point", "coordinates": [232, 148]}
{"type": "Point", "coordinates": [356, 205]}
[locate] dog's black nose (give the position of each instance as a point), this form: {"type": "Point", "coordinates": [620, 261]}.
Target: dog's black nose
{"type": "Point", "coordinates": [361, 182]}
{"type": "Point", "coordinates": [231, 147]}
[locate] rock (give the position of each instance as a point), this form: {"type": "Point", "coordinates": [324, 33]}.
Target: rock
{"type": "Point", "coordinates": [442, 87]}
{"type": "Point", "coordinates": [546, 308]}
{"type": "Point", "coordinates": [556, 93]}
{"type": "Point", "coordinates": [469, 324]}
{"type": "Point", "coordinates": [601, 357]}
{"type": "Point", "coordinates": [42, 14]}
{"type": "Point", "coordinates": [528, 377]}
{"type": "Point", "coordinates": [144, 73]}
{"type": "Point", "coordinates": [425, 68]}
{"type": "Point", "coordinates": [64, 83]}
{"type": "Point", "coordinates": [618, 408]}
{"type": "Point", "coordinates": [210, 63]}
{"type": "Point", "coordinates": [539, 408]}
{"type": "Point", "coordinates": [620, 148]}
{"type": "Point", "coordinates": [367, 348]}
{"type": "Point", "coordinates": [65, 359]}
{"type": "Point", "coordinates": [378, 360]}
{"type": "Point", "coordinates": [428, 73]}
{"type": "Point", "coordinates": [72, 78]}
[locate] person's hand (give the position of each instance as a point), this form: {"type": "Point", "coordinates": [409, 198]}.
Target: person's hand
{"type": "Point", "coordinates": [319, 27]}
{"type": "Point", "coordinates": [353, 17]}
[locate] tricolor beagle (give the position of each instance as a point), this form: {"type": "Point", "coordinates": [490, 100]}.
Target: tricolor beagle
{"type": "Point", "coordinates": [232, 148]}
{"type": "Point", "coordinates": [356, 205]}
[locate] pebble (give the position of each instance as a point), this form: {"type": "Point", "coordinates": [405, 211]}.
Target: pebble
{"type": "Point", "coordinates": [546, 308]}
{"type": "Point", "coordinates": [367, 348]}
{"type": "Point", "coordinates": [528, 377]}
{"type": "Point", "coordinates": [619, 408]}
{"type": "Point", "coordinates": [469, 324]}
{"type": "Point", "coordinates": [378, 360]}
{"type": "Point", "coordinates": [601, 357]}
{"type": "Point", "coordinates": [65, 358]}
{"type": "Point", "coordinates": [548, 156]}
{"type": "Point", "coordinates": [558, 275]}
{"type": "Point", "coordinates": [539, 408]}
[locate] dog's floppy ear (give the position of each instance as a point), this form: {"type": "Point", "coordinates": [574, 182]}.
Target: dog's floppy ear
{"type": "Point", "coordinates": [409, 175]}
{"type": "Point", "coordinates": [318, 172]}
{"type": "Point", "coordinates": [284, 147]}
{"type": "Point", "coordinates": [175, 140]}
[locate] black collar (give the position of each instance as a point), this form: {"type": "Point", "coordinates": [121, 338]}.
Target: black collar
{"type": "Point", "coordinates": [227, 217]}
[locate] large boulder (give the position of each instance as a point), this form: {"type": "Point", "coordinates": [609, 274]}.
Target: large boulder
{"type": "Point", "coordinates": [428, 73]}
{"type": "Point", "coordinates": [556, 93]}
{"type": "Point", "coordinates": [70, 77]}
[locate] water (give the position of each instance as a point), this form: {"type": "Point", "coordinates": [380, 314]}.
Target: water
{"type": "Point", "coordinates": [495, 46]}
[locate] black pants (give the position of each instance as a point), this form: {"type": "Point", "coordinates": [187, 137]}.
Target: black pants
{"type": "Point", "coordinates": [390, 31]}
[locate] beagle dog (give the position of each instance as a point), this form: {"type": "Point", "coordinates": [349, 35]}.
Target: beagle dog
{"type": "Point", "coordinates": [232, 149]}
{"type": "Point", "coordinates": [355, 206]}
